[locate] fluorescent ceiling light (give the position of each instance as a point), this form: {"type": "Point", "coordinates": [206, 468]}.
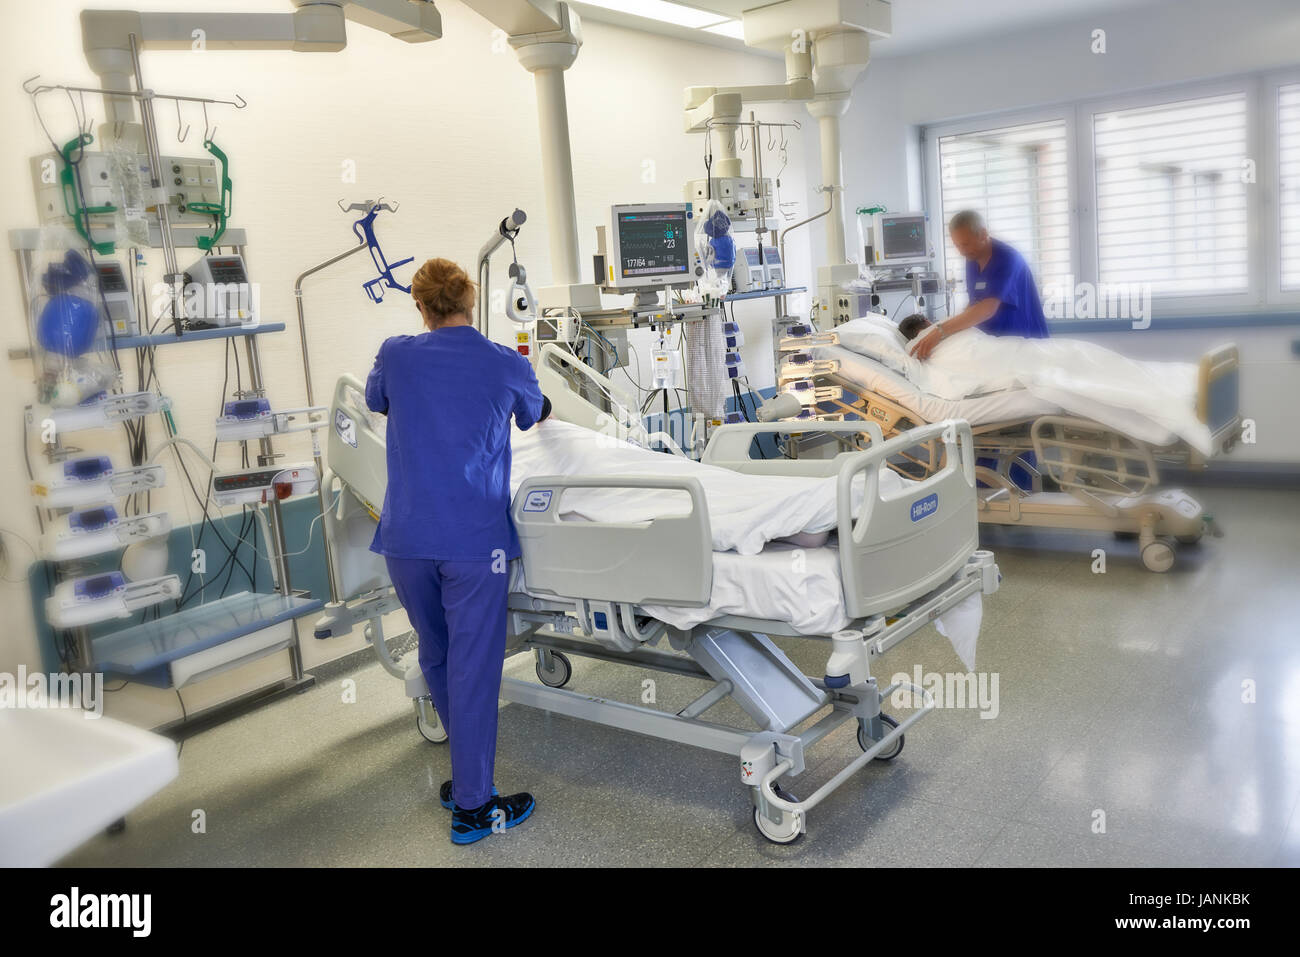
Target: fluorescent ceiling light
{"type": "Point", "coordinates": [728, 28]}
{"type": "Point", "coordinates": [661, 10]}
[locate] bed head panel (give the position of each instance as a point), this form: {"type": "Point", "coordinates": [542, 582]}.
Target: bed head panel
{"type": "Point", "coordinates": [356, 450]}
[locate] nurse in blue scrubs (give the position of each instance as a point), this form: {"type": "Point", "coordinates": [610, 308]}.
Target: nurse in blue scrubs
{"type": "Point", "coordinates": [445, 532]}
{"type": "Point", "coordinates": [1004, 298]}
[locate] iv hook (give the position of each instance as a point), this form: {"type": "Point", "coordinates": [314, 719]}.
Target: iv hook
{"type": "Point", "coordinates": [182, 129]}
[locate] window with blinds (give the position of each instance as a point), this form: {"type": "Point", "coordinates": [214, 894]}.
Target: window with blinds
{"type": "Point", "coordinates": [1018, 178]}
{"type": "Point", "coordinates": [1171, 196]}
{"type": "Point", "coordinates": [1288, 192]}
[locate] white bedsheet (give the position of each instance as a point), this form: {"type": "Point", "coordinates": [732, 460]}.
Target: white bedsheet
{"type": "Point", "coordinates": [1151, 401]}
{"type": "Point", "coordinates": [762, 578]}
{"type": "Point", "coordinates": [1005, 406]}
{"type": "Point", "coordinates": [1147, 400]}
{"type": "Point", "coordinates": [799, 586]}
{"type": "Point", "coordinates": [745, 511]}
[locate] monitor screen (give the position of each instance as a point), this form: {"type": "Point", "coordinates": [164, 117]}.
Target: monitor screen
{"type": "Point", "coordinates": [111, 278]}
{"type": "Point", "coordinates": [653, 243]}
{"type": "Point", "coordinates": [227, 270]}
{"type": "Point", "coordinates": [903, 237]}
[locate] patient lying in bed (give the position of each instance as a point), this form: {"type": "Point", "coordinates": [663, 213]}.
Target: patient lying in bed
{"type": "Point", "coordinates": [1080, 377]}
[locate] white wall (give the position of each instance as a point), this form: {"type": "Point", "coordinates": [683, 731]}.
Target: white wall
{"type": "Point", "coordinates": [448, 129]}
{"type": "Point", "coordinates": [1147, 47]}
{"type": "Point", "coordinates": [1169, 43]}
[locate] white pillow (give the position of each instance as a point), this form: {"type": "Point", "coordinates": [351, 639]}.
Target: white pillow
{"type": "Point", "coordinates": [877, 338]}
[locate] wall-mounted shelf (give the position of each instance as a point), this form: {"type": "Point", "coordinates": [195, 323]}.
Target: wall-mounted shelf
{"type": "Point", "coordinates": [146, 652]}
{"type": "Point", "coordinates": [183, 237]}
{"type": "Point", "coordinates": [763, 293]}
{"type": "Point", "coordinates": [168, 338]}
{"type": "Point", "coordinates": [194, 335]}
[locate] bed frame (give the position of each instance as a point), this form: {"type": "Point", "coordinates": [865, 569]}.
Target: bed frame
{"type": "Point", "coordinates": [1104, 480]}
{"type": "Point", "coordinates": [904, 560]}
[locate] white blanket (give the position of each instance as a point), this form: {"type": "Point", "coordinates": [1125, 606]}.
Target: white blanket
{"type": "Point", "coordinates": [1147, 400]}
{"type": "Point", "coordinates": [1081, 377]}
{"type": "Point", "coordinates": [745, 511]}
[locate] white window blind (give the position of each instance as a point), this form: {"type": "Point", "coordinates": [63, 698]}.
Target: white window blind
{"type": "Point", "coordinates": [1018, 178]}
{"type": "Point", "coordinates": [1288, 139]}
{"type": "Point", "coordinates": [1171, 200]}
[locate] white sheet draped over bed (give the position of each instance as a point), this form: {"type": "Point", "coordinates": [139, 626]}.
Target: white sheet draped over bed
{"type": "Point", "coordinates": [1151, 401]}
{"type": "Point", "coordinates": [745, 511]}
{"type": "Point", "coordinates": [751, 578]}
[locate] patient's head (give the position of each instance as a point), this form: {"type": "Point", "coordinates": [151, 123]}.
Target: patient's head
{"type": "Point", "coordinates": [913, 326]}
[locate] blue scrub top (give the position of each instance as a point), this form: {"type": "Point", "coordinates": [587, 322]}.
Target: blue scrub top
{"type": "Point", "coordinates": [449, 395]}
{"type": "Point", "coordinates": [1007, 278]}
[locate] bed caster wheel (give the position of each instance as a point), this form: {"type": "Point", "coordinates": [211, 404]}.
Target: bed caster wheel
{"type": "Point", "coordinates": [785, 831]}
{"type": "Point", "coordinates": [1190, 539]}
{"type": "Point", "coordinates": [1158, 556]}
{"type": "Point", "coordinates": [432, 729]}
{"type": "Point", "coordinates": [866, 742]}
{"type": "Point", "coordinates": [558, 675]}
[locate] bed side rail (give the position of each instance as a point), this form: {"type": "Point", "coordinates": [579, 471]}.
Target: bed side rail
{"type": "Point", "coordinates": [564, 378]}
{"type": "Point", "coordinates": [1217, 389]}
{"type": "Point", "coordinates": [905, 543]}
{"type": "Point", "coordinates": [666, 560]}
{"type": "Point", "coordinates": [1084, 457]}
{"type": "Point", "coordinates": [559, 371]}
{"type": "Point", "coordinates": [355, 452]}
{"type": "Point", "coordinates": [732, 446]}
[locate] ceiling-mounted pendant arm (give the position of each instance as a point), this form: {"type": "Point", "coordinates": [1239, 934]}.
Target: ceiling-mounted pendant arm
{"type": "Point", "coordinates": [316, 26]}
{"type": "Point", "coordinates": [546, 36]}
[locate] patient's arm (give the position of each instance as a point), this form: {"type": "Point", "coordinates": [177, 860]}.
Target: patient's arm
{"type": "Point", "coordinates": [972, 315]}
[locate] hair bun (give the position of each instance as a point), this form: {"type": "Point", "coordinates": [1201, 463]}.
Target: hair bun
{"type": "Point", "coordinates": [444, 289]}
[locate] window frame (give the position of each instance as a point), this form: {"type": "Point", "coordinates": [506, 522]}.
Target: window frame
{"type": "Point", "coordinates": [933, 176]}
{"type": "Point", "coordinates": [1263, 294]}
{"type": "Point", "coordinates": [1271, 87]}
{"type": "Point", "coordinates": [1254, 296]}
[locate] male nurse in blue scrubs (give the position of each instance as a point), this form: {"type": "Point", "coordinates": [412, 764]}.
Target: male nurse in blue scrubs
{"type": "Point", "coordinates": [445, 531]}
{"type": "Point", "coordinates": [1004, 299]}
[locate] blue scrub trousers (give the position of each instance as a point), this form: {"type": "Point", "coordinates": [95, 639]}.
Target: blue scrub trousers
{"type": "Point", "coordinates": [458, 609]}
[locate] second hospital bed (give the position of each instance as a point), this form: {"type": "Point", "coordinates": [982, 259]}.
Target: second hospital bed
{"type": "Point", "coordinates": [1101, 476]}
{"type": "Point", "coordinates": [898, 556]}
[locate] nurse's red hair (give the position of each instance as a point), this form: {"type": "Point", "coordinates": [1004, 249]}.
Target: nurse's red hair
{"type": "Point", "coordinates": [445, 290]}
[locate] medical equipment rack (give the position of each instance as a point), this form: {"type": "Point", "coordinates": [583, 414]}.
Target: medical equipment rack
{"type": "Point", "coordinates": [248, 625]}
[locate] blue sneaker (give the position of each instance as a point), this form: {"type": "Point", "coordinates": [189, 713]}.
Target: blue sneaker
{"type": "Point", "coordinates": [445, 798]}
{"type": "Point", "coordinates": [501, 813]}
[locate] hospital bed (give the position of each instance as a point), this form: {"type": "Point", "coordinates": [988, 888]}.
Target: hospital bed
{"type": "Point", "coordinates": [611, 590]}
{"type": "Point", "coordinates": [1104, 479]}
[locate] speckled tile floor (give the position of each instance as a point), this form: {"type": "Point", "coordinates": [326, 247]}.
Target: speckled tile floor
{"type": "Point", "coordinates": [1120, 701]}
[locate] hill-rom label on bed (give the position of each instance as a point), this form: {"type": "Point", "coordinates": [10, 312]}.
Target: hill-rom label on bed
{"type": "Point", "coordinates": [539, 500]}
{"type": "Point", "coordinates": [345, 427]}
{"type": "Point", "coordinates": [924, 507]}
